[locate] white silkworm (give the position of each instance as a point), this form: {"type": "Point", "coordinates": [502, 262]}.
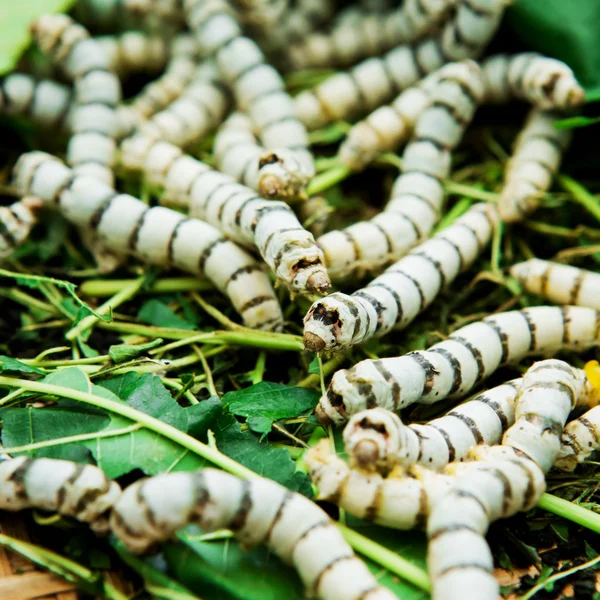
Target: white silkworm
{"type": "Point", "coordinates": [199, 109]}
{"type": "Point", "coordinates": [158, 235]}
{"type": "Point", "coordinates": [561, 284]}
{"type": "Point", "coordinates": [387, 127]}
{"type": "Point", "coordinates": [258, 511]}
{"type": "Point", "coordinates": [243, 216]}
{"type": "Point", "coordinates": [375, 80]}
{"type": "Point", "coordinates": [400, 501]}
{"type": "Point", "coordinates": [531, 169]}
{"type": "Point", "coordinates": [459, 560]}
{"type": "Point", "coordinates": [404, 290]}
{"type": "Point", "coordinates": [546, 83]}
{"type": "Point", "coordinates": [454, 366]}
{"type": "Point", "coordinates": [357, 34]}
{"type": "Point", "coordinates": [45, 102]}
{"type": "Point", "coordinates": [79, 491]}
{"type": "Point", "coordinates": [579, 439]}
{"type": "Point", "coordinates": [16, 223]}
{"type": "Point", "coordinates": [134, 51]}
{"type": "Point", "coordinates": [377, 439]}
{"type": "Point", "coordinates": [91, 149]}
{"type": "Point", "coordinates": [258, 88]}
{"type": "Point", "coordinates": [418, 194]}
{"type": "Point", "coordinates": [238, 153]}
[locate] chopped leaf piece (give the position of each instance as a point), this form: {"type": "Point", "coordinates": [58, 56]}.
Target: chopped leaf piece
{"type": "Point", "coordinates": [122, 352]}
{"type": "Point", "coordinates": [12, 365]}
{"type": "Point", "coordinates": [157, 313]}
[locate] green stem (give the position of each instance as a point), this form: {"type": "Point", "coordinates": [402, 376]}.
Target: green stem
{"type": "Point", "coordinates": [327, 179]}
{"type": "Point", "coordinates": [61, 565]}
{"type": "Point", "coordinates": [581, 195]}
{"type": "Point", "coordinates": [470, 192]}
{"type": "Point", "coordinates": [327, 368]}
{"type": "Point", "coordinates": [26, 300]}
{"type": "Point", "coordinates": [460, 208]}
{"type": "Point", "coordinates": [570, 511]}
{"type": "Point", "coordinates": [540, 586]}
{"type": "Point", "coordinates": [72, 439]}
{"type": "Point", "coordinates": [100, 288]}
{"type": "Point", "coordinates": [386, 558]}
{"type": "Point", "coordinates": [119, 298]}
{"type": "Point", "coordinates": [245, 337]}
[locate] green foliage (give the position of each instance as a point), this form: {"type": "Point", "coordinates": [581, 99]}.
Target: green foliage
{"type": "Point", "coordinates": [564, 29]}
{"type": "Point", "coordinates": [12, 365]}
{"type": "Point", "coordinates": [122, 352]}
{"type": "Point", "coordinates": [266, 402]}
{"type": "Point", "coordinates": [15, 19]}
{"type": "Point", "coordinates": [157, 313]}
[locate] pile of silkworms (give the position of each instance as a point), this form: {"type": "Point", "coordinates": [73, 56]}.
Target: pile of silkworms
{"type": "Point", "coordinates": [410, 79]}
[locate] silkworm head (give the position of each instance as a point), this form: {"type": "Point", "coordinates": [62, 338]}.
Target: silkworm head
{"type": "Point", "coordinates": [332, 321]}
{"type": "Point", "coordinates": [282, 176]}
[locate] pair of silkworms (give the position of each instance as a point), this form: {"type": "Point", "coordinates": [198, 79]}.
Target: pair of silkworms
{"type": "Point", "coordinates": [152, 510]}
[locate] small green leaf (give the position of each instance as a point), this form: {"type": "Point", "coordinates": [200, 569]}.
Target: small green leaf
{"type": "Point", "coordinates": [157, 313]}
{"type": "Point", "coordinates": [267, 402]}
{"type": "Point", "coordinates": [12, 365]}
{"type": "Point", "coordinates": [314, 368]}
{"type": "Point", "coordinates": [123, 352]}
{"type": "Point", "coordinates": [15, 19]}
{"type": "Point", "coordinates": [245, 448]}
{"type": "Point", "coordinates": [221, 570]}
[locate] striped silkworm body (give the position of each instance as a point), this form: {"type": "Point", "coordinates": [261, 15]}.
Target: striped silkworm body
{"type": "Point", "coordinates": [536, 157]}
{"type": "Point", "coordinates": [546, 83]}
{"type": "Point", "coordinates": [274, 175]}
{"type": "Point", "coordinates": [260, 17]}
{"type": "Point", "coordinates": [400, 501]}
{"type": "Point", "coordinates": [134, 52]}
{"type": "Point", "coordinates": [91, 149]}
{"type": "Point", "coordinates": [79, 491]}
{"type": "Point", "coordinates": [357, 34]}
{"type": "Point", "coordinates": [404, 290]}
{"type": "Point", "coordinates": [387, 127]}
{"type": "Point", "coordinates": [376, 80]}
{"type": "Point", "coordinates": [158, 94]}
{"type": "Point", "coordinates": [288, 249]}
{"type": "Point", "coordinates": [377, 439]}
{"type": "Point", "coordinates": [199, 109]}
{"type": "Point", "coordinates": [459, 559]}
{"type": "Point", "coordinates": [257, 87]}
{"type": "Point", "coordinates": [16, 223]}
{"type": "Point", "coordinates": [558, 283]}
{"type": "Point", "coordinates": [45, 102]}
{"type": "Point", "coordinates": [453, 367]}
{"type": "Point", "coordinates": [579, 439]}
{"type": "Point", "coordinates": [258, 511]}
{"type": "Point", "coordinates": [549, 391]}
{"type": "Point", "coordinates": [418, 194]}
{"type": "Point", "coordinates": [157, 235]}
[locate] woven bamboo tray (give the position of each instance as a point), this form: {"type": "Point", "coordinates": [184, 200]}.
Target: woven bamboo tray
{"type": "Point", "coordinates": [20, 579]}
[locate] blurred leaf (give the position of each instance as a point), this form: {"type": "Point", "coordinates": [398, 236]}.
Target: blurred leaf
{"type": "Point", "coordinates": [123, 352]}
{"type": "Point", "coordinates": [267, 402]}
{"type": "Point", "coordinates": [12, 365]}
{"type": "Point", "coordinates": [15, 19]}
{"type": "Point", "coordinates": [564, 29]}
{"type": "Point", "coordinates": [155, 312]}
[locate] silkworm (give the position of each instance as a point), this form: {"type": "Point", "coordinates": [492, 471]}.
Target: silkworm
{"type": "Point", "coordinates": [546, 83]}
{"type": "Point", "coordinates": [16, 223]}
{"type": "Point", "coordinates": [459, 559]}
{"type": "Point", "coordinates": [400, 501]}
{"type": "Point", "coordinates": [158, 235]}
{"type": "Point", "coordinates": [558, 283]}
{"type": "Point", "coordinates": [454, 366]}
{"type": "Point", "coordinates": [200, 108]}
{"type": "Point", "coordinates": [243, 216]}
{"type": "Point", "coordinates": [258, 511]}
{"type": "Point", "coordinates": [134, 51]}
{"type": "Point", "coordinates": [45, 102]}
{"type": "Point", "coordinates": [91, 149]}
{"type": "Point", "coordinates": [357, 34]}
{"type": "Point", "coordinates": [274, 175]}
{"type": "Point", "coordinates": [535, 160]}
{"type": "Point", "coordinates": [79, 491]}
{"type": "Point", "coordinates": [418, 194]}
{"type": "Point", "coordinates": [257, 86]}
{"type": "Point", "coordinates": [376, 80]}
{"type": "Point", "coordinates": [579, 439]}
{"type": "Point", "coordinates": [404, 290]}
